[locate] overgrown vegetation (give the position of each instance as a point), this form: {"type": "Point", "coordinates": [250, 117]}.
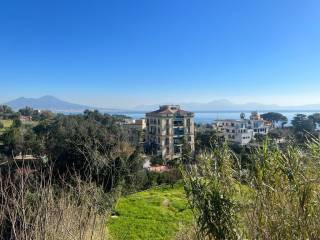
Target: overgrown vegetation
{"type": "Point", "coordinates": [80, 165]}
{"type": "Point", "coordinates": [90, 164]}
{"type": "Point", "coordinates": [276, 197]}
{"type": "Point", "coordinates": [35, 206]}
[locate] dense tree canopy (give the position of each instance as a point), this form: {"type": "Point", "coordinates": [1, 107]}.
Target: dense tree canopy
{"type": "Point", "coordinates": [90, 143]}
{"type": "Point", "coordinates": [5, 109]}
{"type": "Point", "coordinates": [315, 118]}
{"type": "Point", "coordinates": [7, 113]}
{"type": "Point", "coordinates": [275, 117]}
{"type": "Point", "coordinates": [301, 123]}
{"type": "Point", "coordinates": [205, 139]}
{"type": "Point", "coordinates": [27, 111]}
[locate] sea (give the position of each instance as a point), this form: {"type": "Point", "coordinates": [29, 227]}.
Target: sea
{"type": "Point", "coordinates": [212, 116]}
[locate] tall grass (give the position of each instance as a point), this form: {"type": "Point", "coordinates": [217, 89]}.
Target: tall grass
{"type": "Point", "coordinates": [286, 203]}
{"type": "Point", "coordinates": [276, 197]}
{"type": "Point", "coordinates": [32, 206]}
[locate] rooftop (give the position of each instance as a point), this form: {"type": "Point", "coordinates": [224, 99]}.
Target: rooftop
{"type": "Point", "coordinates": [170, 110]}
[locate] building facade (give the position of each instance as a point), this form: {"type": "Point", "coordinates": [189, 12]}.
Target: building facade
{"type": "Point", "coordinates": [243, 130]}
{"type": "Point", "coordinates": [135, 130]}
{"type": "Point", "coordinates": [167, 130]}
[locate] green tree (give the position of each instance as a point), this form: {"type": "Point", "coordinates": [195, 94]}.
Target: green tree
{"type": "Point", "coordinates": [45, 115]}
{"type": "Point", "coordinates": [315, 118]}
{"type": "Point", "coordinates": [86, 143]}
{"type": "Point", "coordinates": [275, 118]}
{"type": "Point", "coordinates": [206, 139]}
{"type": "Point", "coordinates": [16, 123]}
{"type": "Point", "coordinates": [27, 111]}
{"type": "Point", "coordinates": [260, 138]}
{"type": "Point", "coordinates": [6, 112]}
{"type": "Point", "coordinates": [5, 109]}
{"type": "Point", "coordinates": [301, 123]}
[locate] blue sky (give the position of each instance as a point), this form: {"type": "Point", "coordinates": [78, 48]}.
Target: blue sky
{"type": "Point", "coordinates": [124, 53]}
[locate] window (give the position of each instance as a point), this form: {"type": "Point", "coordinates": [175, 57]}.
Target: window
{"type": "Point", "coordinates": [177, 150]}
{"type": "Point", "coordinates": [178, 122]}
{"type": "Point", "coordinates": [178, 140]}
{"type": "Point", "coordinates": [178, 131]}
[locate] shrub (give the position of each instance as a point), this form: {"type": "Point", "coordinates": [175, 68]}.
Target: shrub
{"type": "Point", "coordinates": [278, 199]}
{"type": "Point", "coordinates": [210, 187]}
{"type": "Point", "coordinates": [32, 207]}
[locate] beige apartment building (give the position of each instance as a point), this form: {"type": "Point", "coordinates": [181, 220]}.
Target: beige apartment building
{"type": "Point", "coordinates": [135, 131]}
{"type": "Point", "coordinates": [167, 129]}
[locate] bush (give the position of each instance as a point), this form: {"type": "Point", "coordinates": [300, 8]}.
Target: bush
{"type": "Point", "coordinates": [279, 200]}
{"type": "Point", "coordinates": [156, 160]}
{"type": "Point", "coordinates": [210, 188]}
{"type": "Point", "coordinates": [32, 207]}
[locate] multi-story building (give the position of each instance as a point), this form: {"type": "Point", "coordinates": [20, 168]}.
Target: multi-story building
{"type": "Point", "coordinates": [135, 131]}
{"type": "Point", "coordinates": [242, 131]}
{"type": "Point", "coordinates": [167, 130]}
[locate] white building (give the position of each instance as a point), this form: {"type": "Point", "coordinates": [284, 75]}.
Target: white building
{"type": "Point", "coordinates": [242, 131]}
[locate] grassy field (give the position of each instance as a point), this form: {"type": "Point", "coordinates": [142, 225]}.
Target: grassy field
{"type": "Point", "coordinates": [153, 214]}
{"type": "Point", "coordinates": [6, 123]}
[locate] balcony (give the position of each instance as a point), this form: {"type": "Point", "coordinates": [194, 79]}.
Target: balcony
{"type": "Point", "coordinates": [178, 141]}
{"type": "Point", "coordinates": [178, 123]}
{"type": "Point", "coordinates": [178, 131]}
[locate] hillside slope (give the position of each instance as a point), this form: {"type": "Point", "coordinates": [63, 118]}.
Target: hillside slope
{"type": "Point", "coordinates": [157, 213]}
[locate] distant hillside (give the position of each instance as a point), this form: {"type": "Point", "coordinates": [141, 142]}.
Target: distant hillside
{"type": "Point", "coordinates": [226, 105]}
{"type": "Point", "coordinates": [50, 103]}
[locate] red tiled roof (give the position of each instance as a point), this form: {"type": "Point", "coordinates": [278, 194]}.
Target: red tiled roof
{"type": "Point", "coordinates": [167, 111]}
{"type": "Point", "coordinates": [157, 168]}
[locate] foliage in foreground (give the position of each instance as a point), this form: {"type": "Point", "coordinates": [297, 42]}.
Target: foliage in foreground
{"type": "Point", "coordinates": [276, 197]}
{"type": "Point", "coordinates": [32, 207]}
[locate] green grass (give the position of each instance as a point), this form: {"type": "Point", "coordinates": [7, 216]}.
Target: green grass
{"type": "Point", "coordinates": [153, 214]}
{"type": "Point", "coordinates": [32, 123]}
{"type": "Point", "coordinates": [6, 123]}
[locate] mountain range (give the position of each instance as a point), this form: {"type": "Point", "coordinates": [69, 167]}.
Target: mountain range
{"type": "Point", "coordinates": [226, 105]}
{"type": "Point", "coordinates": [56, 105]}
{"type": "Point", "coordinates": [51, 103]}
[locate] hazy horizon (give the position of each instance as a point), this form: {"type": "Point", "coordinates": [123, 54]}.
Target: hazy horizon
{"type": "Point", "coordinates": [219, 102]}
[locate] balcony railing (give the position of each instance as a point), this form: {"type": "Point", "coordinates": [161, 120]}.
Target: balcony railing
{"type": "Point", "coordinates": [178, 123]}
{"type": "Point", "coordinates": [178, 131]}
